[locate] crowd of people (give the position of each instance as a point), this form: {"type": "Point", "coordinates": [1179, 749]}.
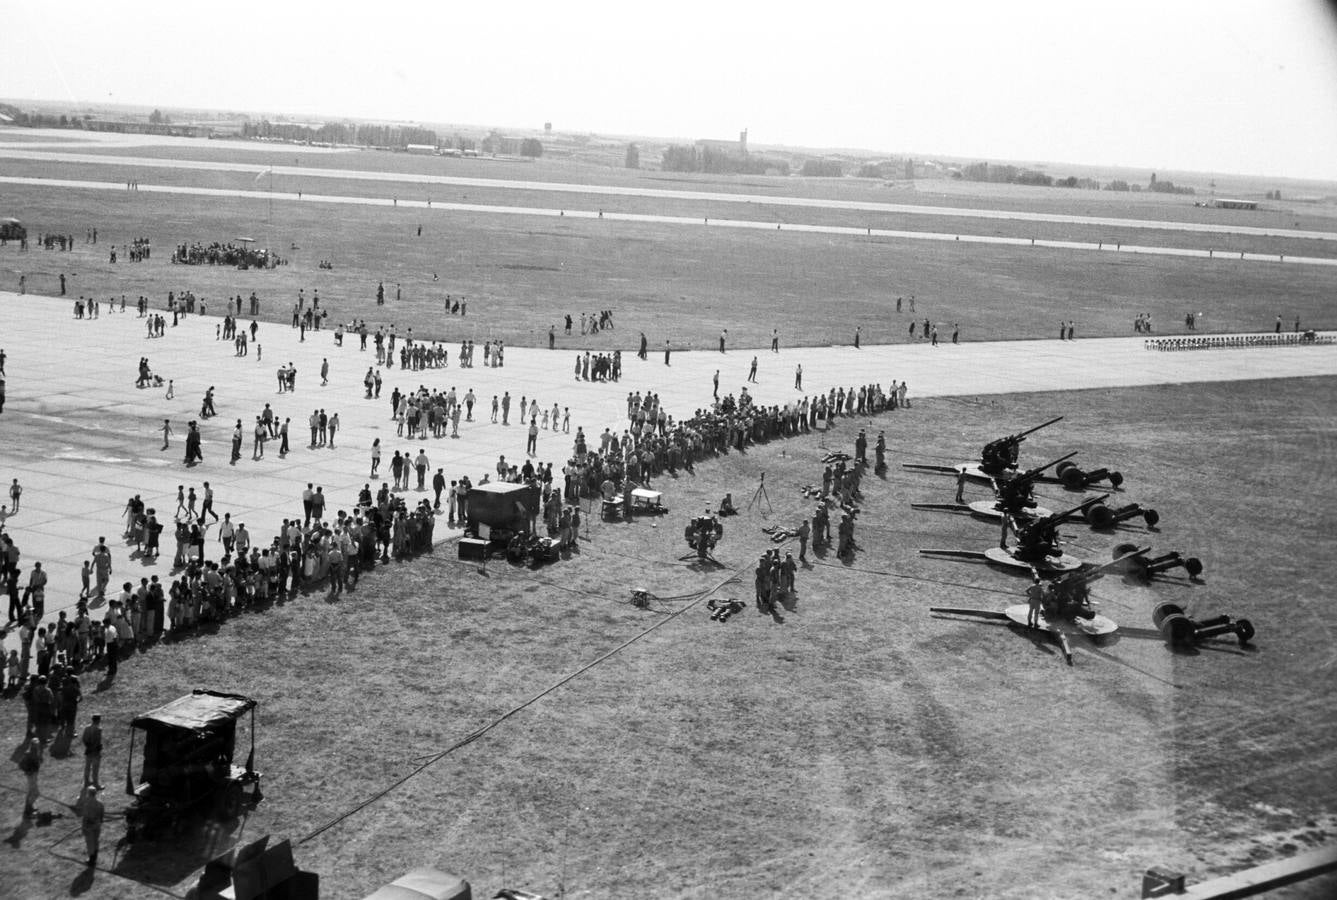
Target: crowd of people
{"type": "Point", "coordinates": [205, 589]}
{"type": "Point", "coordinates": [591, 323]}
{"type": "Point", "coordinates": [243, 255]}
{"type": "Point", "coordinates": [308, 552]}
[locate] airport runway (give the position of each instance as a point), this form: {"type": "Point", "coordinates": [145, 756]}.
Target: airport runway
{"type": "Point", "coordinates": [442, 207]}
{"type": "Point", "coordinates": [82, 439]}
{"type": "Point", "coordinates": [19, 151]}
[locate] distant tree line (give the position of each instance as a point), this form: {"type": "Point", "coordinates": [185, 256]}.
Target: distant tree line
{"type": "Point", "coordinates": [822, 168]}
{"type": "Point", "coordinates": [680, 158]}
{"type": "Point", "coordinates": [890, 168]}
{"type": "Point", "coordinates": [1005, 174]}
{"type": "Point", "coordinates": [42, 120]}
{"type": "Point", "coordinates": [341, 133]}
{"type": "Point", "coordinates": [1168, 187]}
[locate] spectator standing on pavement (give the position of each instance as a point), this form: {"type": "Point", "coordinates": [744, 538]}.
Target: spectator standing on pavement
{"type": "Point", "coordinates": [92, 741]}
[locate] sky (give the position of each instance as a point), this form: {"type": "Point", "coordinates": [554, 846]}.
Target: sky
{"type": "Point", "coordinates": [1242, 86]}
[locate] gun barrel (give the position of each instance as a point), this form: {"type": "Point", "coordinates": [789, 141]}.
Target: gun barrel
{"type": "Point", "coordinates": [1023, 434]}
{"type": "Point", "coordinates": [1039, 470]}
{"type": "Point", "coordinates": [1079, 508]}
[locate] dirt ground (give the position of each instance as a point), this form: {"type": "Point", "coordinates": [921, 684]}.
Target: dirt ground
{"type": "Point", "coordinates": [532, 729]}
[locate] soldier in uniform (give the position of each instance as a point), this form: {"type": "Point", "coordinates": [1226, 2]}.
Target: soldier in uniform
{"type": "Point", "coordinates": [90, 821]}
{"type": "Point", "coordinates": [1035, 597]}
{"type": "Point", "coordinates": [821, 527]}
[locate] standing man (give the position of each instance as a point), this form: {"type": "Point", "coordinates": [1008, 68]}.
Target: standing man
{"type": "Point", "coordinates": [804, 532]}
{"type": "Point", "coordinates": [92, 741]}
{"type": "Point", "coordinates": [15, 491]}
{"type": "Point", "coordinates": [421, 464]}
{"type": "Point", "coordinates": [439, 485]}
{"type": "Point", "coordinates": [324, 371]}
{"type": "Point", "coordinates": [752, 372]}
{"type": "Point", "coordinates": [30, 764]}
{"type": "Point", "coordinates": [531, 446]}
{"type": "Point", "coordinates": [102, 567]}
{"type": "Point", "coordinates": [724, 336]}
{"type": "Point", "coordinates": [798, 377]}
{"type": "Point", "coordinates": [207, 509]}
{"type": "Point", "coordinates": [858, 332]}
{"type": "Point", "coordinates": [227, 534]}
{"type": "Point", "coordinates": [37, 592]}
{"type": "Point", "coordinates": [666, 353]}
{"type": "Point", "coordinates": [307, 497]}
{"type": "Point", "coordinates": [90, 822]}
{"type": "Point", "coordinates": [716, 382]}
{"type": "Point", "coordinates": [166, 432]}
{"type": "Point", "coordinates": [775, 340]}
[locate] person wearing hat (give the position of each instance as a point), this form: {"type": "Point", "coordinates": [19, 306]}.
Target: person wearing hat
{"type": "Point", "coordinates": [90, 821]}
{"type": "Point", "coordinates": [92, 740]}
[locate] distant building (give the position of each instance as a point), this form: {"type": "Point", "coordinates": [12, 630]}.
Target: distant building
{"type": "Point", "coordinates": [730, 148]}
{"type": "Point", "coordinates": [420, 148]}
{"type": "Point", "coordinates": [1224, 203]}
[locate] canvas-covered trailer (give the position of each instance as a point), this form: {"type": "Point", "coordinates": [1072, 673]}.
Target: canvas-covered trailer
{"type": "Point", "coordinates": [189, 746]}
{"type": "Point", "coordinates": [501, 506]}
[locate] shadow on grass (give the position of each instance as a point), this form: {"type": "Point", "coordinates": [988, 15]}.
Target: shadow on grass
{"type": "Point", "coordinates": [82, 882]}
{"type": "Point", "coordinates": [170, 859]}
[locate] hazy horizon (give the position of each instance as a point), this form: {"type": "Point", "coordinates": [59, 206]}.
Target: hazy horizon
{"type": "Point", "coordinates": [1232, 87]}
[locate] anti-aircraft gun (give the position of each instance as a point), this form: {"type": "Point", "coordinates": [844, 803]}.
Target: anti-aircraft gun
{"type": "Point", "coordinates": [1016, 493]}
{"type": "Point", "coordinates": [1069, 594]}
{"type": "Point", "coordinates": [1065, 607]}
{"type": "Point", "coordinates": [1000, 454]}
{"type": "Point", "coordinates": [1037, 538]}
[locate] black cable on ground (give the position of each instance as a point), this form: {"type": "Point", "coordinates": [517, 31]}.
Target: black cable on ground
{"type": "Point", "coordinates": [480, 732]}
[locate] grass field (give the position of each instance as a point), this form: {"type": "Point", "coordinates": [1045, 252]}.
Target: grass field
{"type": "Point", "coordinates": [859, 747]}
{"type": "Point", "coordinates": [678, 282]}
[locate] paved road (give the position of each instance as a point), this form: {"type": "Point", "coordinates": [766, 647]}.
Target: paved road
{"type": "Point", "coordinates": [82, 439]}
{"type": "Point", "coordinates": [440, 207]}
{"type": "Point", "coordinates": [18, 151]}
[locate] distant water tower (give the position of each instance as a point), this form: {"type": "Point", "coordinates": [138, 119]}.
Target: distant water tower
{"type": "Point", "coordinates": [742, 141]}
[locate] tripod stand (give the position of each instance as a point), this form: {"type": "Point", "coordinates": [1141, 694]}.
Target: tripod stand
{"type": "Point", "coordinates": [760, 494]}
